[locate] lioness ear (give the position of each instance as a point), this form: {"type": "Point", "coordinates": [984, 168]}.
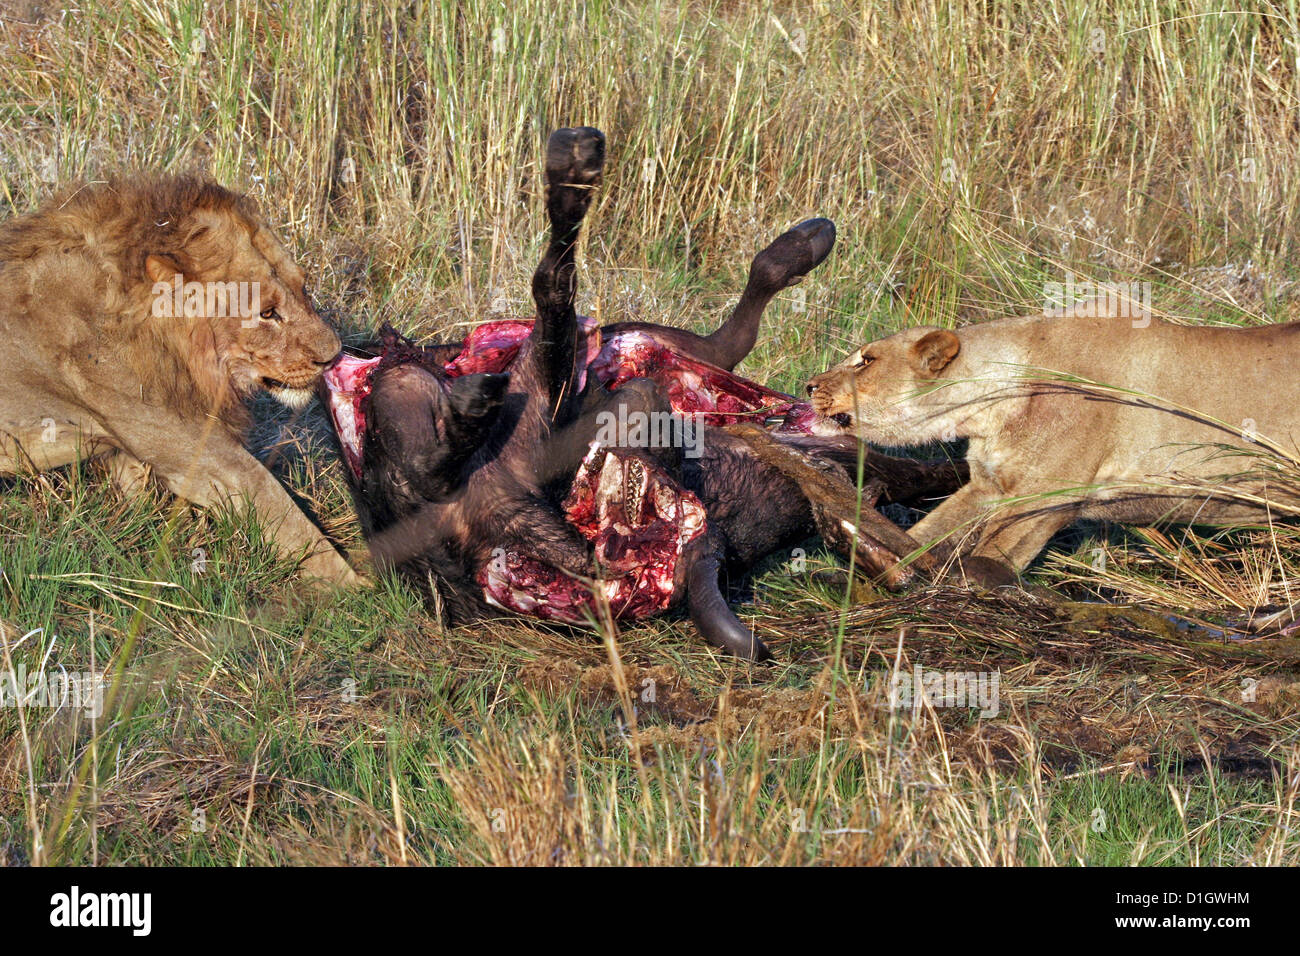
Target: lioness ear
{"type": "Point", "coordinates": [160, 268]}
{"type": "Point", "coordinates": [934, 350]}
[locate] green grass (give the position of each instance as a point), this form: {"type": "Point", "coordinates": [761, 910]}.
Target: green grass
{"type": "Point", "coordinates": [969, 153]}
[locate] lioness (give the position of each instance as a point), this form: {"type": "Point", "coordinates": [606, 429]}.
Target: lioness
{"type": "Point", "coordinates": [138, 315]}
{"type": "Point", "coordinates": [1079, 414]}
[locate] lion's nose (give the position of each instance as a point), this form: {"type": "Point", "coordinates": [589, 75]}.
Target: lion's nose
{"type": "Point", "coordinates": [327, 349]}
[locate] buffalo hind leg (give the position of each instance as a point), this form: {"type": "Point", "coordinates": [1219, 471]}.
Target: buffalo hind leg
{"type": "Point", "coordinates": [574, 161]}
{"type": "Point", "coordinates": [790, 257]}
{"type": "Point", "coordinates": [784, 263]}
{"type": "Point", "coordinates": [601, 411]}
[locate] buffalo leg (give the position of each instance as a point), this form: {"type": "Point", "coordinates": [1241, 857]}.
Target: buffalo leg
{"type": "Point", "coordinates": [782, 264]}
{"type": "Point", "coordinates": [790, 257]}
{"type": "Point", "coordinates": [574, 160]}
{"type": "Point", "coordinates": [567, 446]}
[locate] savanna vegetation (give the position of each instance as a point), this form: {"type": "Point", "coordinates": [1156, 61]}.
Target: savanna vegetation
{"type": "Point", "coordinates": [971, 152]}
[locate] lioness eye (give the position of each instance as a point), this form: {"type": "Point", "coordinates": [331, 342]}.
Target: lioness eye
{"type": "Point", "coordinates": [863, 361]}
{"type": "Point", "coordinates": [271, 314]}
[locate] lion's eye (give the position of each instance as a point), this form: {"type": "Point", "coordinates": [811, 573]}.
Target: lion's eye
{"type": "Point", "coordinates": [863, 361]}
{"type": "Point", "coordinates": [271, 314]}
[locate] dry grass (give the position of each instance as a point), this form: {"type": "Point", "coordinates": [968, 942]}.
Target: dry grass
{"type": "Point", "coordinates": [969, 153]}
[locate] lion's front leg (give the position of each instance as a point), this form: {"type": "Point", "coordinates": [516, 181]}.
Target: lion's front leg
{"type": "Point", "coordinates": [952, 526]}
{"type": "Point", "coordinates": [214, 470]}
{"type": "Point", "coordinates": [128, 475]}
{"type": "Point", "coordinates": [293, 533]}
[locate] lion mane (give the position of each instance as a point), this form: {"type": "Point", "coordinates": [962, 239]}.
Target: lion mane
{"type": "Point", "coordinates": [94, 367]}
{"type": "Point", "coordinates": [116, 225]}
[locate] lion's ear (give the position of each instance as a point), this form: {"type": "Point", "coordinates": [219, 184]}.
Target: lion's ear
{"type": "Point", "coordinates": [161, 268]}
{"type": "Point", "coordinates": [934, 350]}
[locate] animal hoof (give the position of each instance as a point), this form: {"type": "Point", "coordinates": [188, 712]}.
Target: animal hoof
{"type": "Point", "coordinates": [794, 253]}
{"type": "Point", "coordinates": [985, 574]}
{"type": "Point", "coordinates": [575, 156]}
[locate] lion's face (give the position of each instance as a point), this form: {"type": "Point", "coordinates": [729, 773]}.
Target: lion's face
{"type": "Point", "coordinates": [884, 392]}
{"type": "Point", "coordinates": [241, 288]}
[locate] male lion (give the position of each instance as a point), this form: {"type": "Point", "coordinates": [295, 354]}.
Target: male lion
{"type": "Point", "coordinates": [1080, 414]}
{"type": "Point", "coordinates": [138, 315]}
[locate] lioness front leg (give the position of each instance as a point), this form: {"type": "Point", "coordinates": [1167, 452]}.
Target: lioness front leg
{"type": "Point", "coordinates": [952, 526]}
{"type": "Point", "coordinates": [1015, 535]}
{"type": "Point", "coordinates": [992, 542]}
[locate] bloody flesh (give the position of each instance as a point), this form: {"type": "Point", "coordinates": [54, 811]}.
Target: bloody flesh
{"type": "Point", "coordinates": [692, 386]}
{"type": "Point", "coordinates": [696, 387]}
{"type": "Point", "coordinates": [637, 518]}
{"type": "Point", "coordinates": [638, 521]}
{"type": "Point", "coordinates": [348, 381]}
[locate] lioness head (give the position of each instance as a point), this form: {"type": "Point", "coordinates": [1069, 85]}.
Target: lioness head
{"type": "Point", "coordinates": [889, 391]}
{"type": "Point", "coordinates": [242, 299]}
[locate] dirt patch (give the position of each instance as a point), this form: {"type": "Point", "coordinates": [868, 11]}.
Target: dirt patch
{"type": "Point", "coordinates": [1122, 686]}
{"type": "Point", "coordinates": [1090, 681]}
